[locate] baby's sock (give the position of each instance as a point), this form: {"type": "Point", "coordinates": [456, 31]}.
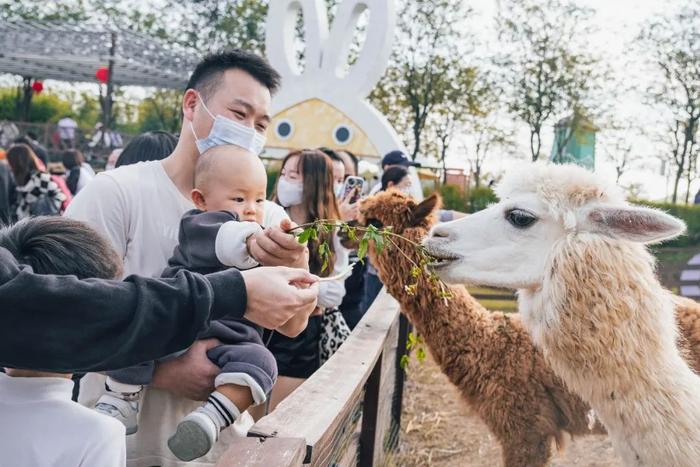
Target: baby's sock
{"type": "Point", "coordinates": [220, 409]}
{"type": "Point", "coordinates": [123, 390]}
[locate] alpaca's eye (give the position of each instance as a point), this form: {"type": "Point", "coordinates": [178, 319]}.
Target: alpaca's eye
{"type": "Point", "coordinates": [520, 219]}
{"type": "Point", "coordinates": [375, 223]}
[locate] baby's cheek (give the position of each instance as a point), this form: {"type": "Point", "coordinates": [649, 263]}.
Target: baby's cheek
{"type": "Point", "coordinates": [259, 216]}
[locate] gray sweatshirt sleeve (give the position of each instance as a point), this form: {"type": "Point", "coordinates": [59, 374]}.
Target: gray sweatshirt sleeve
{"type": "Point", "coordinates": [63, 324]}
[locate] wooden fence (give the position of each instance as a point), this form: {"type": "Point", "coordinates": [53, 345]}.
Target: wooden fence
{"type": "Point", "coordinates": [347, 413]}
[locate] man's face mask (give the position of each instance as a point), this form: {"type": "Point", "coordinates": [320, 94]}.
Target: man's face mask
{"type": "Point", "coordinates": [226, 131]}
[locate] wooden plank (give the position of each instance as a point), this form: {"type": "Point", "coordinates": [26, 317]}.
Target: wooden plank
{"type": "Point", "coordinates": [387, 391]}
{"type": "Point", "coordinates": [370, 409]}
{"type": "Point", "coordinates": [264, 452]}
{"type": "Point", "coordinates": [320, 409]}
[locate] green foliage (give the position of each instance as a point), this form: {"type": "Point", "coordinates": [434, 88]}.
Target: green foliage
{"type": "Point", "coordinates": [160, 111]}
{"type": "Point", "coordinates": [45, 107]}
{"type": "Point", "coordinates": [414, 342]}
{"type": "Point", "coordinates": [480, 198]}
{"type": "Point", "coordinates": [690, 215]}
{"type": "Point", "coordinates": [452, 198]}
{"type": "Point", "coordinates": [476, 200]}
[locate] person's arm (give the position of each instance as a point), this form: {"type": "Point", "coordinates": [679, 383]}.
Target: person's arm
{"type": "Point", "coordinates": [331, 293]}
{"type": "Point", "coordinates": [62, 324]}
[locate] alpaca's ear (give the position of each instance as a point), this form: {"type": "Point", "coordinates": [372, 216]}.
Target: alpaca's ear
{"type": "Point", "coordinates": [424, 208]}
{"type": "Point", "coordinates": [635, 223]}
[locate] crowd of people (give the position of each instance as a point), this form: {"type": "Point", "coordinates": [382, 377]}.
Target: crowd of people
{"type": "Point", "coordinates": [170, 299]}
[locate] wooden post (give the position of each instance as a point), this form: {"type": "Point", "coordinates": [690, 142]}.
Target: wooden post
{"type": "Point", "coordinates": [370, 406]}
{"type": "Point", "coordinates": [397, 403]}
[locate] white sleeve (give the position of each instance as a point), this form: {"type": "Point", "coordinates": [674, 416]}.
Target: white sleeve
{"type": "Point", "coordinates": [102, 205]}
{"type": "Point", "coordinates": [274, 214]}
{"type": "Point", "coordinates": [331, 293]}
{"type": "Point", "coordinates": [231, 247]}
{"type": "Point", "coordinates": [108, 446]}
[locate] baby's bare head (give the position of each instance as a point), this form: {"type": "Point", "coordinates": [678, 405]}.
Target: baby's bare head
{"type": "Point", "coordinates": [230, 178]}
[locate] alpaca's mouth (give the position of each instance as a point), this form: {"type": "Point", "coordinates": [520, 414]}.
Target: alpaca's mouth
{"type": "Point", "coordinates": [441, 258]}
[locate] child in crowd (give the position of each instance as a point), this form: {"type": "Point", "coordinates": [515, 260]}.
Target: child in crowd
{"type": "Point", "coordinates": [40, 425]}
{"type": "Point", "coordinates": [230, 188]}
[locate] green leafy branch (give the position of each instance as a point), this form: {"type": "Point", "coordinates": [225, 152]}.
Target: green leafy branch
{"type": "Point", "coordinates": [381, 238]}
{"type": "Point", "coordinates": [414, 342]}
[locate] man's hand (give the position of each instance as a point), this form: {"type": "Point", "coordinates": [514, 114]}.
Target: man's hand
{"type": "Point", "coordinates": [275, 247]}
{"type": "Point", "coordinates": [276, 295]}
{"type": "Point", "coordinates": [191, 375]}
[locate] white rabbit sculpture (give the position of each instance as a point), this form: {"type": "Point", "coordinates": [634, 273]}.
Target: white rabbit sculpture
{"type": "Point", "coordinates": [321, 106]}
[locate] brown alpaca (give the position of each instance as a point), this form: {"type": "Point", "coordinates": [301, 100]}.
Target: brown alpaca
{"type": "Point", "coordinates": [488, 355]}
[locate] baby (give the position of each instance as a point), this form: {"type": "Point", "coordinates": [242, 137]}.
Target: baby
{"type": "Point", "coordinates": [230, 187]}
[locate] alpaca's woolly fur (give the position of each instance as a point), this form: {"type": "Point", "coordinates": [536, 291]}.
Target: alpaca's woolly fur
{"type": "Point", "coordinates": [489, 356]}
{"type": "Point", "coordinates": [606, 326]}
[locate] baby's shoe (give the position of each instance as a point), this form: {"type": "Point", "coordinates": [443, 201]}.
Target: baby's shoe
{"type": "Point", "coordinates": [123, 409]}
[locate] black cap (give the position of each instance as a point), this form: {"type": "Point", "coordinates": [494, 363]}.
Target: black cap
{"type": "Point", "coordinates": [398, 158]}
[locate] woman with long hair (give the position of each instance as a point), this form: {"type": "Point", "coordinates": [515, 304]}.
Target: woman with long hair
{"type": "Point", "coordinates": [77, 173]}
{"type": "Point", "coordinates": [305, 190]}
{"type": "Point", "coordinates": [37, 192]}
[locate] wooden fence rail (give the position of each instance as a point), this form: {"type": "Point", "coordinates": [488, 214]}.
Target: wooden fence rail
{"type": "Point", "coordinates": [343, 415]}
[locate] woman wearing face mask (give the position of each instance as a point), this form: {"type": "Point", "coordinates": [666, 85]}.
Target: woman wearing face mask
{"type": "Point", "coordinates": [397, 178]}
{"type": "Point", "coordinates": [348, 210]}
{"type": "Point", "coordinates": [305, 190]}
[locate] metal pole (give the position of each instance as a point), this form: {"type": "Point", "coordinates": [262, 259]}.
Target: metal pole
{"type": "Point", "coordinates": [107, 117]}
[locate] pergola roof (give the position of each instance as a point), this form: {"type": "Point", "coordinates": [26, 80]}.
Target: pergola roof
{"type": "Point", "coordinates": [74, 52]}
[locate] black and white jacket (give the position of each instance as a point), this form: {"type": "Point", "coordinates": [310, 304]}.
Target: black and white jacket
{"type": "Point", "coordinates": [39, 184]}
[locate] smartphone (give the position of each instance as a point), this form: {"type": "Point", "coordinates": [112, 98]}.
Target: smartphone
{"type": "Point", "coordinates": [353, 187]}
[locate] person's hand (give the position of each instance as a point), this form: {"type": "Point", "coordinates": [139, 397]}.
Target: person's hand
{"type": "Point", "coordinates": [348, 211]}
{"type": "Point", "coordinates": [275, 247]}
{"type": "Point", "coordinates": [276, 295]}
{"type": "Point", "coordinates": [191, 375]}
{"type": "Point", "coordinates": [294, 326]}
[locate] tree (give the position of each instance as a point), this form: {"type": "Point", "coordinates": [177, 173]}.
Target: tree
{"type": "Point", "coordinates": [618, 143]}
{"type": "Point", "coordinates": [457, 102]}
{"type": "Point", "coordinates": [160, 111]}
{"type": "Point", "coordinates": [424, 65]}
{"type": "Point", "coordinates": [545, 67]}
{"type": "Point", "coordinates": [674, 44]}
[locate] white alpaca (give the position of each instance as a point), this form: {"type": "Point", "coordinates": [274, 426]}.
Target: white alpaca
{"type": "Point", "coordinates": [589, 297]}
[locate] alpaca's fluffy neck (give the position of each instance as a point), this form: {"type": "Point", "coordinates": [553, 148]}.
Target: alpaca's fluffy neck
{"type": "Point", "coordinates": [607, 328]}
{"type": "Point", "coordinates": [449, 328]}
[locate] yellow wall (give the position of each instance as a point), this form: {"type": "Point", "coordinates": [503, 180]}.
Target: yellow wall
{"type": "Point", "coordinates": [313, 123]}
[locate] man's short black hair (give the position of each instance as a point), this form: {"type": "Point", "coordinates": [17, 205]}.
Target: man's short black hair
{"type": "Point", "coordinates": [61, 246]}
{"type": "Point", "coordinates": [206, 76]}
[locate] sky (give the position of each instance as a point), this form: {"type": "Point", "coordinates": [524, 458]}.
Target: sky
{"type": "Point", "coordinates": [617, 22]}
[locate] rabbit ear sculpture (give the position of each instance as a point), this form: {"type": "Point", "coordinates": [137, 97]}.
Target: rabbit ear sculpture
{"type": "Point", "coordinates": [325, 104]}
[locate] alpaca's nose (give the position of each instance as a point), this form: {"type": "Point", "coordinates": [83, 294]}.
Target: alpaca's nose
{"type": "Point", "coordinates": [440, 232]}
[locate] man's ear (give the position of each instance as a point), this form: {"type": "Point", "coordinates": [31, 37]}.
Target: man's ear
{"type": "Point", "coordinates": [635, 223]}
{"type": "Point", "coordinates": [189, 102]}
{"type": "Point", "coordinates": [198, 199]}
{"type": "Point", "coordinates": [424, 208]}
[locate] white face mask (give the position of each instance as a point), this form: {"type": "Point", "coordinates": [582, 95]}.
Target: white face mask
{"type": "Point", "coordinates": [226, 131]}
{"type": "Point", "coordinates": [338, 189]}
{"type": "Point", "coordinates": [290, 193]}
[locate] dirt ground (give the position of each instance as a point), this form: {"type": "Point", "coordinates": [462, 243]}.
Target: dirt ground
{"type": "Point", "coordinates": [438, 430]}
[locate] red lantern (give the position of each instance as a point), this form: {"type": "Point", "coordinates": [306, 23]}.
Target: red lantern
{"type": "Point", "coordinates": [37, 87]}
{"type": "Point", "coordinates": [102, 74]}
